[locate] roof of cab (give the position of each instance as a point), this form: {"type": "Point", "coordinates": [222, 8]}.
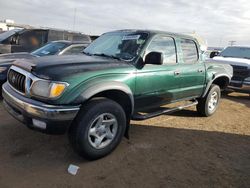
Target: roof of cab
{"type": "Point", "coordinates": [71, 42]}
{"type": "Point", "coordinates": [154, 32]}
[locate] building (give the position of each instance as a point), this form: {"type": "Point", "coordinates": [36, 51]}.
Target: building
{"type": "Point", "coordinates": [5, 25]}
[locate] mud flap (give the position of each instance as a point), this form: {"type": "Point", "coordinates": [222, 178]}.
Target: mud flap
{"type": "Point", "coordinates": [127, 130]}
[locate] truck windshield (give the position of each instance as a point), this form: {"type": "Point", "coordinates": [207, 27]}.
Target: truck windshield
{"type": "Point", "coordinates": [120, 45]}
{"type": "Point", "coordinates": [237, 52]}
{"type": "Point", "coordinates": [49, 49]}
{"type": "Point", "coordinates": [7, 34]}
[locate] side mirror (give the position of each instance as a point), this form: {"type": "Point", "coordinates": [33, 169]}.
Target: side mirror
{"type": "Point", "coordinates": [14, 40]}
{"type": "Point", "coordinates": [155, 58]}
{"type": "Point", "coordinates": [213, 54]}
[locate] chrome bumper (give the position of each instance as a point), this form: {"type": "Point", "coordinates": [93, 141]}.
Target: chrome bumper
{"type": "Point", "coordinates": [245, 87]}
{"type": "Point", "coordinates": [15, 103]}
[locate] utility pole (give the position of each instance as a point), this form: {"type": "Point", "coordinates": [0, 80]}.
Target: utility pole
{"type": "Point", "coordinates": [231, 42]}
{"type": "Point", "coordinates": [220, 41]}
{"type": "Point", "coordinates": [74, 19]}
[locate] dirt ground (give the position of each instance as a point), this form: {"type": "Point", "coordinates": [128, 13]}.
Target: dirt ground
{"type": "Point", "coordinates": [179, 150]}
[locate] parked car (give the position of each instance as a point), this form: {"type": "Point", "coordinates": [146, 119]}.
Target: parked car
{"type": "Point", "coordinates": [123, 73]}
{"type": "Point", "coordinates": [212, 52]}
{"type": "Point", "coordinates": [27, 40]}
{"type": "Point", "coordinates": [239, 58]}
{"type": "Point", "coordinates": [52, 48]}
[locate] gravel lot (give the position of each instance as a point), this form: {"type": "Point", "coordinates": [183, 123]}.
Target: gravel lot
{"type": "Point", "coordinates": [179, 150]}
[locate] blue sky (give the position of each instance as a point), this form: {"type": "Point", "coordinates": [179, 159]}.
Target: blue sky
{"type": "Point", "coordinates": [216, 21]}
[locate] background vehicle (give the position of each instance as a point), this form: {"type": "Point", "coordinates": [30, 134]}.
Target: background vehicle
{"type": "Point", "coordinates": [27, 40]}
{"type": "Point", "coordinates": [124, 73]}
{"type": "Point", "coordinates": [212, 52]}
{"type": "Point", "coordinates": [239, 58]}
{"type": "Point", "coordinates": [52, 48]}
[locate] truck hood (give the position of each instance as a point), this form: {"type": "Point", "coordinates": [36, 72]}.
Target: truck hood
{"type": "Point", "coordinates": [5, 48]}
{"type": "Point", "coordinates": [232, 61]}
{"type": "Point", "coordinates": [56, 67]}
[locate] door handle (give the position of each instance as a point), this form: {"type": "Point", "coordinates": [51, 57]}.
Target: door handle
{"type": "Point", "coordinates": [200, 70]}
{"type": "Point", "coordinates": [176, 72]}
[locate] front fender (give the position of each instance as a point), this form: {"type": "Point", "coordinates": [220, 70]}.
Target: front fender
{"type": "Point", "coordinates": [100, 87]}
{"type": "Point", "coordinates": [104, 86]}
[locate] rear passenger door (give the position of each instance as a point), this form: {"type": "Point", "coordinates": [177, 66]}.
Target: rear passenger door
{"type": "Point", "coordinates": [192, 69]}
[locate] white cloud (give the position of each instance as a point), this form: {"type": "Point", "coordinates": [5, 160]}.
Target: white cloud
{"type": "Point", "coordinates": [217, 21]}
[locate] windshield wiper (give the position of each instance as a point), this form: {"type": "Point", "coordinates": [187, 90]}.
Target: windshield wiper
{"type": "Point", "coordinates": [246, 57]}
{"type": "Point", "coordinates": [106, 55]}
{"type": "Point", "coordinates": [86, 53]}
{"type": "Point", "coordinates": [226, 56]}
{"type": "Point", "coordinates": [237, 57]}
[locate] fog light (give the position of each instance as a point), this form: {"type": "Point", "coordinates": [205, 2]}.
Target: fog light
{"type": "Point", "coordinates": [39, 124]}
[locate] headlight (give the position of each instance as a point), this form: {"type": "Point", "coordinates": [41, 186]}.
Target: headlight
{"type": "Point", "coordinates": [47, 89]}
{"type": "Point", "coordinates": [247, 79]}
{"type": "Point", "coordinates": [2, 69]}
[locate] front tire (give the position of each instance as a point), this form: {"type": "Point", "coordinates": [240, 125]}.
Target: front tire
{"type": "Point", "coordinates": [209, 104]}
{"type": "Point", "coordinates": [98, 128]}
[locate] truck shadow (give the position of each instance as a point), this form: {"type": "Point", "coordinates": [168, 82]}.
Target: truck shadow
{"type": "Point", "coordinates": [239, 98]}
{"type": "Point", "coordinates": [186, 113]}
{"type": "Point", "coordinates": [154, 156]}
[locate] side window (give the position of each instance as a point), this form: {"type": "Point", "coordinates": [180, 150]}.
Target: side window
{"type": "Point", "coordinates": [41, 36]}
{"type": "Point", "coordinates": [32, 38]}
{"type": "Point", "coordinates": [74, 50]}
{"type": "Point", "coordinates": [165, 45]}
{"type": "Point", "coordinates": [24, 38]}
{"type": "Point", "coordinates": [189, 51]}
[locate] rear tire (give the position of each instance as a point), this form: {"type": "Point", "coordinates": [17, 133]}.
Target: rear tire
{"type": "Point", "coordinates": [208, 105]}
{"type": "Point", "coordinates": [98, 128]}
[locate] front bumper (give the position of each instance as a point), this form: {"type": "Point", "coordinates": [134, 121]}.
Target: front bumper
{"type": "Point", "coordinates": [36, 115]}
{"type": "Point", "coordinates": [243, 87]}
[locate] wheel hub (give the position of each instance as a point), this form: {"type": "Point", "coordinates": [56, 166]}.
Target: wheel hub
{"type": "Point", "coordinates": [102, 130]}
{"type": "Point", "coordinates": [212, 103]}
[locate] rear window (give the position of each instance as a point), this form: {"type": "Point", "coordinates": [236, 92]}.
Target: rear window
{"type": "Point", "coordinates": [189, 51]}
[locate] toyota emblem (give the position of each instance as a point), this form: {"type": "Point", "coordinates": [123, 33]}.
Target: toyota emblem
{"type": "Point", "coordinates": [13, 79]}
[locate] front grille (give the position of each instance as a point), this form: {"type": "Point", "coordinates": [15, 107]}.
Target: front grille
{"type": "Point", "coordinates": [16, 80]}
{"type": "Point", "coordinates": [240, 72]}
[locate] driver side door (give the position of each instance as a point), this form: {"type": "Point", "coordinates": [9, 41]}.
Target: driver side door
{"type": "Point", "coordinates": [158, 84]}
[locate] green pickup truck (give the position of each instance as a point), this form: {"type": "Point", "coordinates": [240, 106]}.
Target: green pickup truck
{"type": "Point", "coordinates": [122, 76]}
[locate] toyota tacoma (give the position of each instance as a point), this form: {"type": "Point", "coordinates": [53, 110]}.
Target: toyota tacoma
{"type": "Point", "coordinates": [122, 76]}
